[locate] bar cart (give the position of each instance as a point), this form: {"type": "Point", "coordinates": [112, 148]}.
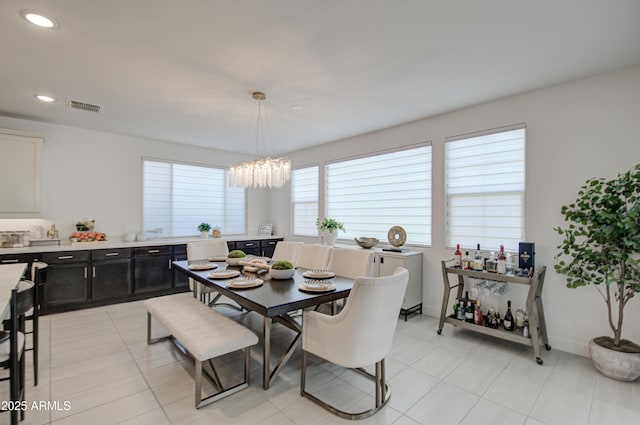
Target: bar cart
{"type": "Point", "coordinates": [538, 328]}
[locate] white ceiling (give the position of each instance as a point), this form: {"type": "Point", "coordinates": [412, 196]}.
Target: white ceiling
{"type": "Point", "coordinates": [184, 71]}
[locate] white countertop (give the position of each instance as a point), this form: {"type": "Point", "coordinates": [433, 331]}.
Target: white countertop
{"type": "Point", "coordinates": [80, 246]}
{"type": "Point", "coordinates": [10, 275]}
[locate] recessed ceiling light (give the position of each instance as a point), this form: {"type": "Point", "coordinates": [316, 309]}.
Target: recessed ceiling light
{"type": "Point", "coordinates": [296, 107]}
{"type": "Point", "coordinates": [44, 98]}
{"type": "Point", "coordinates": [39, 19]}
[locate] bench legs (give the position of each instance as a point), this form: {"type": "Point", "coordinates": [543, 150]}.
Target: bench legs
{"type": "Point", "coordinates": [215, 380]}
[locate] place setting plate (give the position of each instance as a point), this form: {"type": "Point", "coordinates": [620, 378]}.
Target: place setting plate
{"type": "Point", "coordinates": [318, 274]}
{"type": "Point", "coordinates": [224, 274]}
{"type": "Point", "coordinates": [244, 282]}
{"type": "Point", "coordinates": [317, 285]}
{"type": "Point", "coordinates": [202, 266]}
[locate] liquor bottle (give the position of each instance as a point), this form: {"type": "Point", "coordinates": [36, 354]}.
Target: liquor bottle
{"type": "Point", "coordinates": [508, 318]}
{"type": "Point", "coordinates": [492, 263]}
{"type": "Point", "coordinates": [468, 309]}
{"type": "Point", "coordinates": [477, 314]}
{"type": "Point", "coordinates": [478, 260]}
{"type": "Point", "coordinates": [460, 315]}
{"type": "Point", "coordinates": [498, 320]}
{"type": "Point", "coordinates": [467, 261]}
{"type": "Point", "coordinates": [455, 308]}
{"type": "Point", "coordinates": [502, 261]}
{"type": "Point", "coordinates": [457, 257]}
{"type": "Point", "coordinates": [525, 327]}
{"type": "Point", "coordinates": [519, 318]}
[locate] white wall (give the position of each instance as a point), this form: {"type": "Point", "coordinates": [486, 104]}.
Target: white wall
{"type": "Point", "coordinates": [98, 175]}
{"type": "Point", "coordinates": [574, 131]}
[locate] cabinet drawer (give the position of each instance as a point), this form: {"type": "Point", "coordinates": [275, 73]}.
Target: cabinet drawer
{"type": "Point", "coordinates": [247, 244]}
{"type": "Point", "coordinates": [179, 250]}
{"type": "Point", "coordinates": [110, 254]}
{"type": "Point", "coordinates": [65, 257]}
{"type": "Point", "coordinates": [154, 250]}
{"type": "Point", "coordinates": [269, 243]}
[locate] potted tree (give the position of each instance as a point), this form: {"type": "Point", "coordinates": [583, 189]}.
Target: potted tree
{"type": "Point", "coordinates": [204, 228]}
{"type": "Point", "coordinates": [601, 246]}
{"type": "Point", "coordinates": [329, 227]}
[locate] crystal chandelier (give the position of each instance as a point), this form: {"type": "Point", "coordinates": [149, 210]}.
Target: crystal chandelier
{"type": "Point", "coordinates": [264, 172]}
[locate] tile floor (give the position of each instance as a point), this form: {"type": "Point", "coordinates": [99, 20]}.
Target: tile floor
{"type": "Point", "coordinates": [97, 362]}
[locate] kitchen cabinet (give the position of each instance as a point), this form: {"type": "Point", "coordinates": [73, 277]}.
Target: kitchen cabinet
{"type": "Point", "coordinates": [180, 280]}
{"type": "Point", "coordinates": [249, 247]}
{"type": "Point", "coordinates": [111, 274]}
{"type": "Point", "coordinates": [386, 262]}
{"type": "Point", "coordinates": [268, 246]}
{"type": "Point", "coordinates": [20, 174]}
{"type": "Point", "coordinates": [152, 269]}
{"type": "Point", "coordinates": [68, 281]}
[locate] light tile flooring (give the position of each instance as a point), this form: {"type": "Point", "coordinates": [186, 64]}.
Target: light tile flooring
{"type": "Point", "coordinates": [97, 362]}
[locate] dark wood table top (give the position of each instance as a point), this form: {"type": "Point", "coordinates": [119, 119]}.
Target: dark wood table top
{"type": "Point", "coordinates": [274, 297]}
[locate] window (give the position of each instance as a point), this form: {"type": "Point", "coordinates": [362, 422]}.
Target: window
{"type": "Point", "coordinates": [485, 180]}
{"type": "Point", "coordinates": [178, 197]}
{"type": "Point", "coordinates": [372, 194]}
{"type": "Point", "coordinates": [304, 201]}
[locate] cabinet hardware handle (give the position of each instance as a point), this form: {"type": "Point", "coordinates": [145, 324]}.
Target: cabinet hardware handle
{"type": "Point", "coordinates": [85, 272]}
{"type": "Point", "coordinates": [271, 243]}
{"type": "Point", "coordinates": [169, 264]}
{"type": "Point", "coordinates": [93, 272]}
{"type": "Point", "coordinates": [111, 254]}
{"type": "Point", "coordinates": [248, 244]}
{"type": "Point", "coordinates": [10, 261]}
{"type": "Point", "coordinates": [65, 257]}
{"type": "Point", "coordinates": [153, 251]}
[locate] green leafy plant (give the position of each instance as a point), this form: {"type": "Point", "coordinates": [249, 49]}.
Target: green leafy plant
{"type": "Point", "coordinates": [282, 265]}
{"type": "Point", "coordinates": [329, 224]}
{"type": "Point", "coordinates": [236, 253]}
{"type": "Point", "coordinates": [204, 227]}
{"type": "Point", "coordinates": [601, 246]}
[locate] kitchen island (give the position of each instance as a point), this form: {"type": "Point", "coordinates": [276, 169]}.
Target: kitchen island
{"type": "Point", "coordinates": [91, 274]}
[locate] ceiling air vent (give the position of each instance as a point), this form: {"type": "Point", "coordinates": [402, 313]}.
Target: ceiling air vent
{"type": "Point", "coordinates": [75, 104]}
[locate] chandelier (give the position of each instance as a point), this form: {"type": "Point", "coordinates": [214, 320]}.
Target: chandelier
{"type": "Point", "coordinates": [259, 173]}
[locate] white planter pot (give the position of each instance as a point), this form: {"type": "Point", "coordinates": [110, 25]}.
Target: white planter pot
{"type": "Point", "coordinates": [615, 364]}
{"type": "Point", "coordinates": [330, 237]}
{"type": "Point", "coordinates": [204, 235]}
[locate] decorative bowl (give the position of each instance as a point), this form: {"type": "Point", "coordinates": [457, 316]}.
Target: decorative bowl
{"type": "Point", "coordinates": [235, 261]}
{"type": "Point", "coordinates": [366, 242]}
{"type": "Point", "coordinates": [282, 274]}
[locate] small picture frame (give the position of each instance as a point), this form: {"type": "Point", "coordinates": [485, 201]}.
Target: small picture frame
{"type": "Point", "coordinates": [265, 229]}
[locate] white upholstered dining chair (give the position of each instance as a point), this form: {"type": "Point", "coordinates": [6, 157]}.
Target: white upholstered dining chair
{"type": "Point", "coordinates": [360, 335]}
{"type": "Point", "coordinates": [351, 263]}
{"type": "Point", "coordinates": [286, 250]}
{"type": "Point", "coordinates": [201, 251]}
{"type": "Point", "coordinates": [312, 256]}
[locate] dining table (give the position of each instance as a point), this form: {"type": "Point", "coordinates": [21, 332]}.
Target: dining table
{"type": "Point", "coordinates": [10, 276]}
{"type": "Point", "coordinates": [276, 300]}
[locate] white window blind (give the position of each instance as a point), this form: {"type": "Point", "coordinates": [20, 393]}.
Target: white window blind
{"type": "Point", "coordinates": [485, 183]}
{"type": "Point", "coordinates": [178, 197]}
{"type": "Point", "coordinates": [304, 201]}
{"type": "Point", "coordinates": [372, 194]}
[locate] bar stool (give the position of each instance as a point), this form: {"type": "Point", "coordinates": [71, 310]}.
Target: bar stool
{"type": "Point", "coordinates": [39, 275]}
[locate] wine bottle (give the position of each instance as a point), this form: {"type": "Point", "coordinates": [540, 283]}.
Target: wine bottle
{"type": "Point", "coordinates": [502, 261]}
{"type": "Point", "coordinates": [477, 314]}
{"type": "Point", "coordinates": [457, 257]}
{"type": "Point", "coordinates": [478, 260]}
{"type": "Point", "coordinates": [508, 318]}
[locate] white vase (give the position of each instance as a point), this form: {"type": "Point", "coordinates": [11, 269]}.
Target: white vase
{"type": "Point", "coordinates": [330, 237]}
{"type": "Point", "coordinates": [204, 235]}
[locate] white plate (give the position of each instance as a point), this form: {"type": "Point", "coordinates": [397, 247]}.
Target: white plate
{"type": "Point", "coordinates": [202, 266]}
{"type": "Point", "coordinates": [244, 282]}
{"type": "Point", "coordinates": [317, 286]}
{"type": "Point", "coordinates": [224, 274]}
{"type": "Point", "coordinates": [318, 274]}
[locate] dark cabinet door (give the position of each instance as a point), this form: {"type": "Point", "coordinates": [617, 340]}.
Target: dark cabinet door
{"type": "Point", "coordinates": [67, 283]}
{"type": "Point", "coordinates": [111, 279]}
{"type": "Point", "coordinates": [268, 246]}
{"type": "Point", "coordinates": [152, 269]}
{"type": "Point", "coordinates": [180, 280]}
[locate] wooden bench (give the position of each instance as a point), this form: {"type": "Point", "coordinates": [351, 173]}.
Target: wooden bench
{"type": "Point", "coordinates": [202, 334]}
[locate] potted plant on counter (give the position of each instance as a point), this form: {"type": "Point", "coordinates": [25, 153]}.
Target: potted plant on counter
{"type": "Point", "coordinates": [204, 228]}
{"type": "Point", "coordinates": [601, 246]}
{"type": "Point", "coordinates": [329, 227]}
